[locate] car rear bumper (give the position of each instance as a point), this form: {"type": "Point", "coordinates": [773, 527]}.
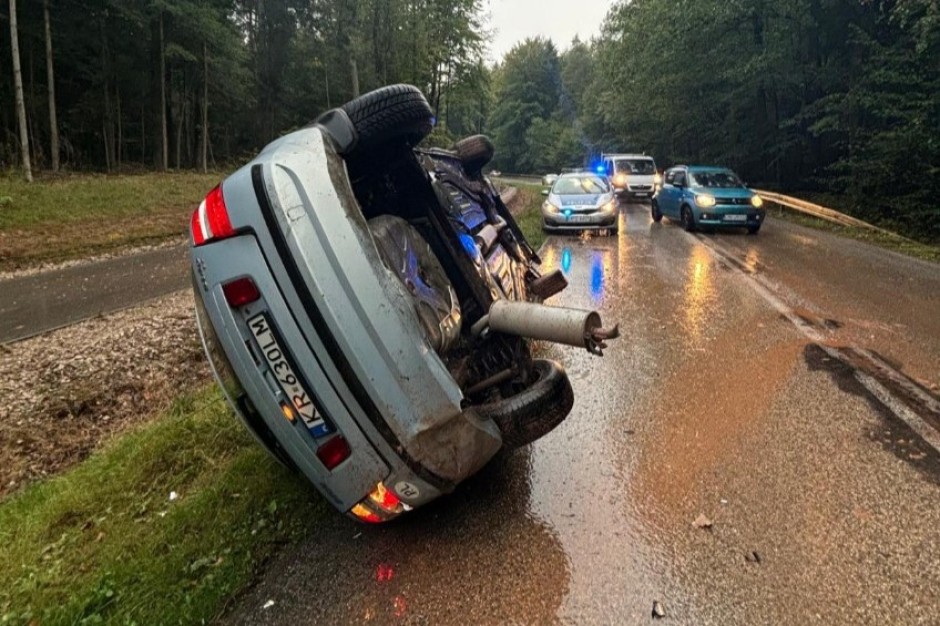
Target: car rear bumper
{"type": "Point", "coordinates": [260, 406]}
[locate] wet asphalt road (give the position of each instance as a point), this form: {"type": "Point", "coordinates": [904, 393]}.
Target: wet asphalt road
{"type": "Point", "coordinates": [725, 397]}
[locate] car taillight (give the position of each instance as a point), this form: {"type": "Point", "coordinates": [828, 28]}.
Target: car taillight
{"type": "Point", "coordinates": [379, 506]}
{"type": "Point", "coordinates": [240, 292]}
{"type": "Point", "coordinates": [210, 221]}
{"type": "Point", "coordinates": [334, 452]}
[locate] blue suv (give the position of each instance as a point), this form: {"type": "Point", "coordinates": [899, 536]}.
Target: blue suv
{"type": "Point", "coordinates": [699, 196]}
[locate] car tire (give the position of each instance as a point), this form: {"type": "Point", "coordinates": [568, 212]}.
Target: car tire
{"type": "Point", "coordinates": [535, 411]}
{"type": "Point", "coordinates": [655, 212]}
{"type": "Point", "coordinates": [409, 257]}
{"type": "Point", "coordinates": [474, 152]}
{"type": "Point", "coordinates": [753, 230]}
{"type": "Point", "coordinates": [688, 221]}
{"type": "Point", "coordinates": [393, 114]}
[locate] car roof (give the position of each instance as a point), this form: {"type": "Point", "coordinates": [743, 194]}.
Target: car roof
{"type": "Point", "coordinates": [707, 168]}
{"type": "Point", "coordinates": [580, 174]}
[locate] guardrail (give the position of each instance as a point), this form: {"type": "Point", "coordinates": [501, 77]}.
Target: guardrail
{"type": "Point", "coordinates": [817, 210]}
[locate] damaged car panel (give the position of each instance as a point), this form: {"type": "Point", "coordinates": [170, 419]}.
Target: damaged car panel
{"type": "Point", "coordinates": [351, 296]}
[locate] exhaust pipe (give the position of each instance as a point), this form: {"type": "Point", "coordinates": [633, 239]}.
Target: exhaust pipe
{"type": "Point", "coordinates": [572, 327]}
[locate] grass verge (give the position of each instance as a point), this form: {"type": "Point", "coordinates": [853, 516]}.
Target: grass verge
{"type": "Point", "coordinates": [893, 242]}
{"type": "Point", "coordinates": [528, 213]}
{"type": "Point", "coordinates": [105, 544]}
{"type": "Point", "coordinates": [74, 216]}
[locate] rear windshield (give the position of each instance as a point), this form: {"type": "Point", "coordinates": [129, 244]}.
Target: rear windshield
{"type": "Point", "coordinates": [577, 185]}
{"type": "Point", "coordinates": [724, 178]}
{"type": "Point", "coordinates": [636, 166]}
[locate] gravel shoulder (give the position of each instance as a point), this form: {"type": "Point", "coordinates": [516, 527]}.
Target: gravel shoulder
{"type": "Point", "coordinates": [67, 391]}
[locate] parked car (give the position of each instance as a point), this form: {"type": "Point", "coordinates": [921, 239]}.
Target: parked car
{"type": "Point", "coordinates": [549, 179]}
{"type": "Point", "coordinates": [632, 175]}
{"type": "Point", "coordinates": [700, 196]}
{"type": "Point", "coordinates": [578, 202]}
{"type": "Point", "coordinates": [367, 306]}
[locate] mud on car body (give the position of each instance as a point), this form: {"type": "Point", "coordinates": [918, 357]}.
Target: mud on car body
{"type": "Point", "coordinates": [367, 308]}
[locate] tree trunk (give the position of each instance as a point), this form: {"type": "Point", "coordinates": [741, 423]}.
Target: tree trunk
{"type": "Point", "coordinates": [119, 151]}
{"type": "Point", "coordinates": [107, 126]}
{"type": "Point", "coordinates": [50, 87]}
{"type": "Point", "coordinates": [18, 88]}
{"type": "Point", "coordinates": [143, 135]}
{"type": "Point", "coordinates": [204, 144]}
{"type": "Point", "coordinates": [165, 149]}
{"type": "Point", "coordinates": [355, 78]}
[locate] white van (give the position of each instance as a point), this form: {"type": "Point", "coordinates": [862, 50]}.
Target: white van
{"type": "Point", "coordinates": [632, 175]}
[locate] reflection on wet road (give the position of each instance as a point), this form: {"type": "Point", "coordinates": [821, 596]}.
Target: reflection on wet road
{"type": "Point", "coordinates": [823, 502]}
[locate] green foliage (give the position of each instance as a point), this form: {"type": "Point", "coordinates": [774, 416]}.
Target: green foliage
{"type": "Point", "coordinates": [826, 95]}
{"type": "Point", "coordinates": [106, 544]}
{"type": "Point", "coordinates": [529, 215]}
{"type": "Point", "coordinates": [533, 123]}
{"type": "Point", "coordinates": [267, 67]}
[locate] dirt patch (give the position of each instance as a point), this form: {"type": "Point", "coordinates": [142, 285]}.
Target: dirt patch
{"type": "Point", "coordinates": [67, 391]}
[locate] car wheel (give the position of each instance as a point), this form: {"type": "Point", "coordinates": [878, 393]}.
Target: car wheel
{"type": "Point", "coordinates": [535, 411]}
{"type": "Point", "coordinates": [474, 152]}
{"type": "Point", "coordinates": [655, 212]}
{"type": "Point", "coordinates": [405, 252]}
{"type": "Point", "coordinates": [753, 230]}
{"type": "Point", "coordinates": [393, 114]}
{"type": "Point", "coordinates": [688, 221]}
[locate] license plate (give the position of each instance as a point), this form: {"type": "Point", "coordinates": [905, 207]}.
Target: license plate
{"type": "Point", "coordinates": [579, 219]}
{"type": "Point", "coordinates": [287, 379]}
{"type": "Point", "coordinates": [735, 218]}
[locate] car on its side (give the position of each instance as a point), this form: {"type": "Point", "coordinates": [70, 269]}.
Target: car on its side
{"type": "Point", "coordinates": [705, 196]}
{"type": "Point", "coordinates": [578, 202]}
{"type": "Point", "coordinates": [366, 307]}
{"type": "Point", "coordinates": [632, 175]}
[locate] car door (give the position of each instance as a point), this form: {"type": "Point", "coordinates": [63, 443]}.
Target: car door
{"type": "Point", "coordinates": [680, 184]}
{"type": "Point", "coordinates": [667, 194]}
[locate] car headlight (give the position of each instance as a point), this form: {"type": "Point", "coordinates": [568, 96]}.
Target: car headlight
{"type": "Point", "coordinates": [756, 201]}
{"type": "Point", "coordinates": [705, 200]}
{"type": "Point", "coordinates": [610, 207]}
{"type": "Point", "coordinates": [549, 207]}
{"type": "Point", "coordinates": [620, 179]}
{"type": "Point", "coordinates": [657, 179]}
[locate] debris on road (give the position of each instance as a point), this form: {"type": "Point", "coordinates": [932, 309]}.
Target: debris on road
{"type": "Point", "coordinates": [702, 522]}
{"type": "Point", "coordinates": [268, 604]}
{"type": "Point", "coordinates": [752, 557]}
{"type": "Point", "coordinates": [658, 611]}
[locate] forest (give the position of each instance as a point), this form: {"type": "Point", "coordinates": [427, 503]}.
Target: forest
{"type": "Point", "coordinates": [838, 98]}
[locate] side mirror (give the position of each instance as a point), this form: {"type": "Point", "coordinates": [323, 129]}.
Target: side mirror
{"type": "Point", "coordinates": [545, 192]}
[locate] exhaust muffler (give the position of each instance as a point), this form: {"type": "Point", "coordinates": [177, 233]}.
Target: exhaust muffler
{"type": "Point", "coordinates": [572, 327]}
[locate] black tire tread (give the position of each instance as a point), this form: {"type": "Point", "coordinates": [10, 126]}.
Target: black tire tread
{"type": "Point", "coordinates": [687, 224]}
{"type": "Point", "coordinates": [396, 111]}
{"type": "Point", "coordinates": [657, 215]}
{"type": "Point", "coordinates": [537, 410]}
{"type": "Point", "coordinates": [474, 152]}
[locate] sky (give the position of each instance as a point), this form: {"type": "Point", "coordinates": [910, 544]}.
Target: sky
{"type": "Point", "coordinates": [560, 20]}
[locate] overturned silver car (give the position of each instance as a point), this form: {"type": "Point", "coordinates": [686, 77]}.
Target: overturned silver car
{"type": "Point", "coordinates": [367, 308]}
